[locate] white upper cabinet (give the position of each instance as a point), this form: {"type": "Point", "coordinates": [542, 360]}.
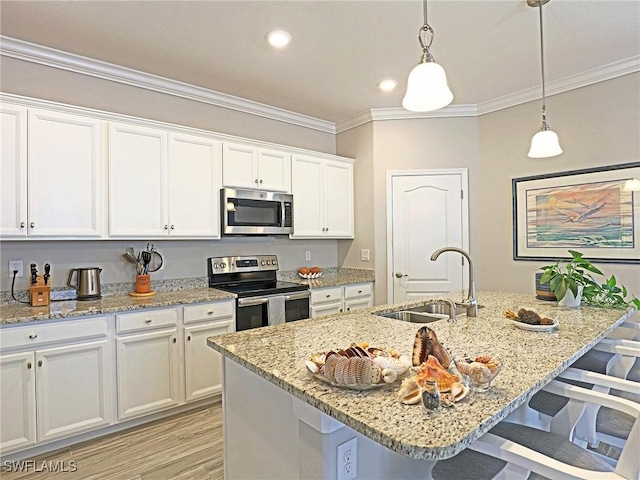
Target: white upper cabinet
{"type": "Point", "coordinates": [246, 166]}
{"type": "Point", "coordinates": [13, 171]}
{"type": "Point", "coordinates": [163, 184]}
{"type": "Point", "coordinates": [322, 198]}
{"type": "Point", "coordinates": [138, 204]}
{"type": "Point", "coordinates": [52, 174]}
{"type": "Point", "coordinates": [195, 179]}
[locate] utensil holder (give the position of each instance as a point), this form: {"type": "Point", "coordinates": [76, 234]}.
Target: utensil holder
{"type": "Point", "coordinates": [143, 283]}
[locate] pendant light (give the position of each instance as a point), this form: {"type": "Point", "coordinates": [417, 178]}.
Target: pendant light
{"type": "Point", "coordinates": [545, 143]}
{"type": "Point", "coordinates": [427, 87]}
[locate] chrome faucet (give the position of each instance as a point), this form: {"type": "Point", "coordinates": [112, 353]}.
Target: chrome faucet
{"type": "Point", "coordinates": [471, 302]}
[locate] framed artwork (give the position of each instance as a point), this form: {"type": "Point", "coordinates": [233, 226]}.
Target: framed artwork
{"type": "Point", "coordinates": [586, 210]}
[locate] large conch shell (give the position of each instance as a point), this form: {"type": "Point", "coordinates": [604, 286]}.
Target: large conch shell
{"type": "Point", "coordinates": [409, 392]}
{"type": "Point", "coordinates": [432, 369]}
{"type": "Point", "coordinates": [425, 344]}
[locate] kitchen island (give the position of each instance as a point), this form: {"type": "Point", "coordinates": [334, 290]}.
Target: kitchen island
{"type": "Point", "coordinates": [281, 422]}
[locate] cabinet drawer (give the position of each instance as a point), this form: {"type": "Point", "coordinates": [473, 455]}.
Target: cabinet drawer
{"type": "Point", "coordinates": [209, 311]}
{"type": "Point", "coordinates": [355, 291]}
{"type": "Point", "coordinates": [36, 334]}
{"type": "Point", "coordinates": [147, 320]}
{"type": "Point", "coordinates": [324, 295]}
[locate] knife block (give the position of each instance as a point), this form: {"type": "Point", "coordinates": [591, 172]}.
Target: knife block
{"type": "Point", "coordinates": [39, 294]}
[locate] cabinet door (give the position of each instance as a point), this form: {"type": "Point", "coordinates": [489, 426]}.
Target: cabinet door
{"type": "Point", "coordinates": [13, 171]}
{"type": "Point", "coordinates": [73, 389]}
{"type": "Point", "coordinates": [147, 373]}
{"type": "Point", "coordinates": [239, 166]}
{"type": "Point", "coordinates": [357, 304]}
{"type": "Point", "coordinates": [65, 175]}
{"type": "Point", "coordinates": [307, 189]}
{"type": "Point", "coordinates": [203, 365]}
{"type": "Point", "coordinates": [274, 170]}
{"type": "Point", "coordinates": [195, 179]}
{"type": "Point", "coordinates": [137, 181]}
{"type": "Point", "coordinates": [338, 198]}
{"type": "Point", "coordinates": [17, 402]}
{"type": "Point", "coordinates": [326, 309]}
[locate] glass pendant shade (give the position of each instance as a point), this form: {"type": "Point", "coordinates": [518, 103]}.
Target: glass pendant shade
{"type": "Point", "coordinates": [632, 185]}
{"type": "Point", "coordinates": [544, 144]}
{"type": "Point", "coordinates": [427, 88]}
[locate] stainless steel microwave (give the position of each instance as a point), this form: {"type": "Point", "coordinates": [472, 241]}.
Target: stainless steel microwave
{"type": "Point", "coordinates": [256, 212]}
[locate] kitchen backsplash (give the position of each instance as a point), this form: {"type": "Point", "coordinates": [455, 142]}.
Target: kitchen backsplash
{"type": "Point", "coordinates": [183, 259]}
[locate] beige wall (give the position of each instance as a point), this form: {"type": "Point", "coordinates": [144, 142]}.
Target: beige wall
{"type": "Point", "coordinates": [598, 125]}
{"type": "Point", "coordinates": [405, 145]}
{"type": "Point", "coordinates": [32, 80]}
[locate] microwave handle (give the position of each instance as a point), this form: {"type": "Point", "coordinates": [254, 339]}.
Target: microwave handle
{"type": "Point", "coordinates": [249, 302]}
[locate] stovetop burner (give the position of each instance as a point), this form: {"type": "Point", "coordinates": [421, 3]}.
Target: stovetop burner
{"type": "Point", "coordinates": [249, 276]}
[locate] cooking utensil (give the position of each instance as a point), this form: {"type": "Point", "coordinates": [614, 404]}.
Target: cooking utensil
{"type": "Point", "coordinates": [130, 258]}
{"type": "Point", "coordinates": [146, 258]}
{"type": "Point", "coordinates": [156, 262]}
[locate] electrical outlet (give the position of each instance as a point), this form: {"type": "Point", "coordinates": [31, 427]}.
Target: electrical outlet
{"type": "Point", "coordinates": [364, 255]}
{"type": "Point", "coordinates": [307, 255]}
{"type": "Point", "coordinates": [347, 464]}
{"type": "Point", "coordinates": [16, 265]}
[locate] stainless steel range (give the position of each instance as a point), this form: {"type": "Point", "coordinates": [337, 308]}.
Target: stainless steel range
{"type": "Point", "coordinates": [262, 299]}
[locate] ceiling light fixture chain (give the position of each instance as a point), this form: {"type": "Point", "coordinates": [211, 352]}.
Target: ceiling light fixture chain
{"type": "Point", "coordinates": [545, 125]}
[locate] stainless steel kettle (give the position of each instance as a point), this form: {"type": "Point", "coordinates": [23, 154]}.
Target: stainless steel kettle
{"type": "Point", "coordinates": [87, 283]}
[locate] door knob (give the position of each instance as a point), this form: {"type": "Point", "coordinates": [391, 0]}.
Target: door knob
{"type": "Point", "coordinates": [400, 275]}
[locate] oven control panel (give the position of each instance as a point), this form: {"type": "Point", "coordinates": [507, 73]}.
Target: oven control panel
{"type": "Point", "coordinates": [256, 263]}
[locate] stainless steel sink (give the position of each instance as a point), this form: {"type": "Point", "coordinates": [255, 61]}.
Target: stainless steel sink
{"type": "Point", "coordinates": [413, 317]}
{"type": "Point", "coordinates": [439, 308]}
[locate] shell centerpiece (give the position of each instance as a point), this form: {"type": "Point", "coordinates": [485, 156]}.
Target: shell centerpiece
{"type": "Point", "coordinates": [426, 343]}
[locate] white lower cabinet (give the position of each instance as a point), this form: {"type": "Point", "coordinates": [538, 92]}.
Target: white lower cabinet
{"type": "Point", "coordinates": [52, 393]}
{"type": "Point", "coordinates": [147, 373]}
{"type": "Point", "coordinates": [332, 300]}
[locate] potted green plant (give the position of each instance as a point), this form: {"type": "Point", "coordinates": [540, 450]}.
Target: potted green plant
{"type": "Point", "coordinates": [573, 279]}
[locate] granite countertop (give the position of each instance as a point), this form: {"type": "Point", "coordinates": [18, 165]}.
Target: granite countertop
{"type": "Point", "coordinates": [18, 313]}
{"type": "Point", "coordinates": [332, 277]}
{"type": "Point", "coordinates": [530, 360]}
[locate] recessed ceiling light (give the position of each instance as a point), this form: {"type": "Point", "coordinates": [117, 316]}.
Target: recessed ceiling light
{"type": "Point", "coordinates": [387, 85]}
{"type": "Point", "coordinates": [278, 38]}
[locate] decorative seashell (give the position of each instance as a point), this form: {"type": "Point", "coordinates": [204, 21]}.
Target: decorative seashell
{"type": "Point", "coordinates": [372, 374]}
{"type": "Point", "coordinates": [382, 362]}
{"type": "Point", "coordinates": [425, 344]}
{"type": "Point", "coordinates": [330, 367]}
{"type": "Point", "coordinates": [361, 351]}
{"type": "Point", "coordinates": [389, 375]}
{"type": "Point", "coordinates": [341, 365]}
{"type": "Point", "coordinates": [457, 389]}
{"type": "Point", "coordinates": [409, 392]}
{"type": "Point", "coordinates": [312, 367]}
{"type": "Point", "coordinates": [432, 368]}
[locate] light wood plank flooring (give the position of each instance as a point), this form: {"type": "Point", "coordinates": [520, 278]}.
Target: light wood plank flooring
{"type": "Point", "coordinates": [187, 446]}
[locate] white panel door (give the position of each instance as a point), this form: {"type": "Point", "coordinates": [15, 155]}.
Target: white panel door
{"type": "Point", "coordinates": [195, 179]}
{"type": "Point", "coordinates": [274, 170]}
{"type": "Point", "coordinates": [65, 175]}
{"type": "Point", "coordinates": [308, 202]}
{"type": "Point", "coordinates": [239, 166]}
{"type": "Point", "coordinates": [17, 402]}
{"type": "Point", "coordinates": [338, 198]}
{"type": "Point", "coordinates": [13, 171]}
{"type": "Point", "coordinates": [73, 391]}
{"type": "Point", "coordinates": [147, 373]}
{"type": "Point", "coordinates": [138, 204]}
{"type": "Point", "coordinates": [426, 216]}
{"type": "Point", "coordinates": [203, 365]}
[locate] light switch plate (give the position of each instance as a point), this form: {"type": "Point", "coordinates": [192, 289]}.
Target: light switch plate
{"type": "Point", "coordinates": [307, 255]}
{"type": "Point", "coordinates": [364, 255]}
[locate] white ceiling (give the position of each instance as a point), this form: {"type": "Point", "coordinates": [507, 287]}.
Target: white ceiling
{"type": "Point", "coordinates": [340, 49]}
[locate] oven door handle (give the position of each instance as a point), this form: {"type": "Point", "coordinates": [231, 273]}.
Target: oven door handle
{"type": "Point", "coordinates": [249, 302]}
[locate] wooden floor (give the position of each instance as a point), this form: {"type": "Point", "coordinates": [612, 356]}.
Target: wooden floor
{"type": "Point", "coordinates": [185, 446]}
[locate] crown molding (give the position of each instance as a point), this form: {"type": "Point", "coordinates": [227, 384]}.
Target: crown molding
{"type": "Point", "coordinates": [596, 75]}
{"type": "Point", "coordinates": [30, 52]}
{"type": "Point", "coordinates": [398, 113]}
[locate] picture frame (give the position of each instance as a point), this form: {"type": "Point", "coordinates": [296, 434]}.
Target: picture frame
{"type": "Point", "coordinates": [586, 210]}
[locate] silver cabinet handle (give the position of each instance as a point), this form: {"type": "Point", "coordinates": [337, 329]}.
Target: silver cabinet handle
{"type": "Point", "coordinates": [359, 291]}
{"type": "Point", "coordinates": [33, 225]}
{"type": "Point", "coordinates": [21, 224]}
{"type": "Point", "coordinates": [340, 310]}
{"type": "Point", "coordinates": [256, 180]}
{"type": "Point", "coordinates": [348, 309]}
{"type": "Point", "coordinates": [174, 340]}
{"type": "Point", "coordinates": [189, 338]}
{"type": "Point", "coordinates": [33, 335]}
{"type": "Point", "coordinates": [210, 312]}
{"type": "Point", "coordinates": [260, 181]}
{"type": "Point", "coordinates": [29, 365]}
{"type": "Point", "coordinates": [328, 295]}
{"type": "Point", "coordinates": [400, 275]}
{"type": "Point", "coordinates": [148, 320]}
{"type": "Point", "coordinates": [172, 227]}
{"type": "Point", "coordinates": [39, 363]}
